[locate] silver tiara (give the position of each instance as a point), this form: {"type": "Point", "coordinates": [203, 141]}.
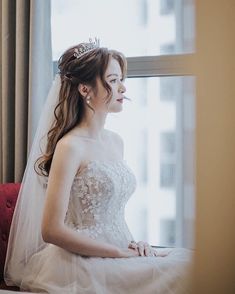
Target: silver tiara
{"type": "Point", "coordinates": [86, 47]}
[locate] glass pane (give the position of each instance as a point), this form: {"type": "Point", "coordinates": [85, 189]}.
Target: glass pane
{"type": "Point", "coordinates": [158, 131]}
{"type": "Point", "coordinates": [135, 27]}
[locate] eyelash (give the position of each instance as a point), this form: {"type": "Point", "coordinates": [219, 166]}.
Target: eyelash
{"type": "Point", "coordinates": [116, 80]}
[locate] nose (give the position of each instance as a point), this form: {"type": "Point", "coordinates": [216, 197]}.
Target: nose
{"type": "Point", "coordinates": [122, 88]}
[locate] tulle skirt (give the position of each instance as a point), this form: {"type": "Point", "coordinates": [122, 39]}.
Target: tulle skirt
{"type": "Point", "coordinates": [54, 270]}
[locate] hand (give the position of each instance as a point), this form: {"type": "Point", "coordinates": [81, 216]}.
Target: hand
{"type": "Point", "coordinates": [145, 249]}
{"type": "Point", "coordinates": [128, 252]}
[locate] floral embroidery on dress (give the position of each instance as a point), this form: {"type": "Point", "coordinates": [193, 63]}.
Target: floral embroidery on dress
{"type": "Point", "coordinates": [99, 193]}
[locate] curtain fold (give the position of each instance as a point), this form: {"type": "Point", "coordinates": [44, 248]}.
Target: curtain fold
{"type": "Point", "coordinates": [8, 88]}
{"type": "Point", "coordinates": [21, 86]}
{"type": "Point", "coordinates": [40, 65]}
{"type": "Point", "coordinates": [25, 76]}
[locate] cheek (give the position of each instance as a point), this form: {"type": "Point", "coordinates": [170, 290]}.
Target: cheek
{"type": "Point", "coordinates": [114, 89]}
{"type": "Point", "coordinates": [102, 96]}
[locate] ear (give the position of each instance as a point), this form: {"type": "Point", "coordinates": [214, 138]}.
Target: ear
{"type": "Point", "coordinates": [83, 89]}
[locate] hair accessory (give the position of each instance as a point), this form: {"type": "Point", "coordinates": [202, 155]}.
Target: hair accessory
{"type": "Point", "coordinates": [86, 47]}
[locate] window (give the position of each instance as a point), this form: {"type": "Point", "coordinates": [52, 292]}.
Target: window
{"type": "Point", "coordinates": [166, 6]}
{"type": "Point", "coordinates": [167, 175]}
{"type": "Point", "coordinates": [158, 124]}
{"type": "Point", "coordinates": [136, 27]}
{"type": "Point", "coordinates": [167, 48]}
{"type": "Point", "coordinates": [168, 143]}
{"type": "Point", "coordinates": [168, 88]}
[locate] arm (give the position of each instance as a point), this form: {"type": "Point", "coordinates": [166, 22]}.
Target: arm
{"type": "Point", "coordinates": [65, 163]}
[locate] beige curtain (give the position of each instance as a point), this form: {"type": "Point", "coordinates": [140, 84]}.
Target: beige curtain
{"type": "Point", "coordinates": [26, 63]}
{"type": "Point", "coordinates": [215, 148]}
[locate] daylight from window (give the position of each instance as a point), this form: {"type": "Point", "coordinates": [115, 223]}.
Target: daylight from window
{"type": "Point", "coordinates": [135, 27]}
{"type": "Point", "coordinates": [157, 125]}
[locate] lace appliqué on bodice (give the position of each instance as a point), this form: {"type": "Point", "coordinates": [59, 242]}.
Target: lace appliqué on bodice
{"type": "Point", "coordinates": [98, 198]}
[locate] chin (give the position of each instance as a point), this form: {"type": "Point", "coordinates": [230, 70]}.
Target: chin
{"type": "Point", "coordinates": [115, 110]}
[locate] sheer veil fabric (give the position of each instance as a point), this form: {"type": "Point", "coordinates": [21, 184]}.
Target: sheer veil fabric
{"type": "Point", "coordinates": [25, 234]}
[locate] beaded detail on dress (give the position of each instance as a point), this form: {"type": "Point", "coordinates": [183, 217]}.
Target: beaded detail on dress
{"type": "Point", "coordinates": [98, 198]}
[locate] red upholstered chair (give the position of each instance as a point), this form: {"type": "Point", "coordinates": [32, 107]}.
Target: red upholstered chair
{"type": "Point", "coordinates": [8, 196]}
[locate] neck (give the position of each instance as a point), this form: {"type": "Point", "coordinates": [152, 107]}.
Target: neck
{"type": "Point", "coordinates": [92, 125]}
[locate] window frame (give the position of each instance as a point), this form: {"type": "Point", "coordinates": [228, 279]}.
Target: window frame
{"type": "Point", "coordinates": [169, 66]}
{"type": "Point", "coordinates": [161, 65]}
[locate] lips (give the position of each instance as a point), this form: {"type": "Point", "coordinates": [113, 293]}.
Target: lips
{"type": "Point", "coordinates": [120, 100]}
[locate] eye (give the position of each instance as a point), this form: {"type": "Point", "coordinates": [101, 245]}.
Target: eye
{"type": "Point", "coordinates": [113, 81]}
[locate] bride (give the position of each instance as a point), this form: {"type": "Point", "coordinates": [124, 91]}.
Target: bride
{"type": "Point", "coordinates": [68, 233]}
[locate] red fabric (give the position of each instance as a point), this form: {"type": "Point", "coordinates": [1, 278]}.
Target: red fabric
{"type": "Point", "coordinates": [8, 196]}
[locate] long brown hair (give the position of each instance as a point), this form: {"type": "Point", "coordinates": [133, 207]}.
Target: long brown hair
{"type": "Point", "coordinates": [71, 106]}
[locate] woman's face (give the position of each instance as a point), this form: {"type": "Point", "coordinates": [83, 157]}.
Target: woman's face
{"type": "Point", "coordinates": [113, 76]}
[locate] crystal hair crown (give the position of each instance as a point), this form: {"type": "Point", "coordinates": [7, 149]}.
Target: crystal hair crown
{"type": "Point", "coordinates": [86, 47]}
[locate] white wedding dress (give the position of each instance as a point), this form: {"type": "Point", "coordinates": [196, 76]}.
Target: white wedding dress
{"type": "Point", "coordinates": [96, 208]}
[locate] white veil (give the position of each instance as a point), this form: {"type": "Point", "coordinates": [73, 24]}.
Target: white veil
{"type": "Point", "coordinates": [25, 235]}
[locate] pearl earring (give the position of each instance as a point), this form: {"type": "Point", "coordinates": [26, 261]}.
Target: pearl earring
{"type": "Point", "coordinates": [88, 99]}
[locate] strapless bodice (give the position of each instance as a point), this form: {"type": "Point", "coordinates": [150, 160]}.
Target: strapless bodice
{"type": "Point", "coordinates": [98, 198]}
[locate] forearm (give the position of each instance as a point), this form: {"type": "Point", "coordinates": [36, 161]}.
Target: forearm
{"type": "Point", "coordinates": [79, 243]}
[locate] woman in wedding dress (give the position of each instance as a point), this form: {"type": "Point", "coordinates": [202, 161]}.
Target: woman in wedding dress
{"type": "Point", "coordinates": [69, 233]}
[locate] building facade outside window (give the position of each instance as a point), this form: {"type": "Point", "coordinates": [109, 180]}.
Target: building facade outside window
{"type": "Point", "coordinates": [158, 124]}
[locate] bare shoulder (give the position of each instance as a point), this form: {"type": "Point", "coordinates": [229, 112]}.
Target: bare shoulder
{"type": "Point", "coordinates": [69, 154]}
{"type": "Point", "coordinates": [70, 145]}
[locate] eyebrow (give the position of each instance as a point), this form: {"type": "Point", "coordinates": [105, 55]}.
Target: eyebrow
{"type": "Point", "coordinates": [112, 75]}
